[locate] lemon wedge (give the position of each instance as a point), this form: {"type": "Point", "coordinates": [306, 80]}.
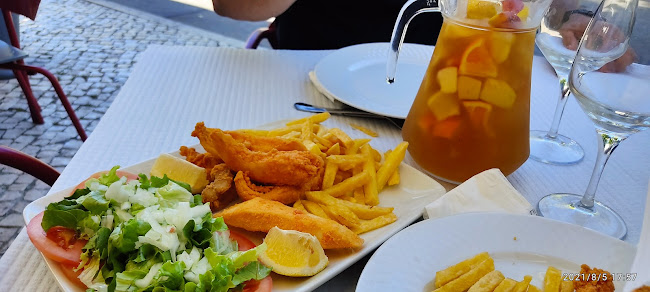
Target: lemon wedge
{"type": "Point", "coordinates": [181, 170]}
{"type": "Point", "coordinates": [293, 253]}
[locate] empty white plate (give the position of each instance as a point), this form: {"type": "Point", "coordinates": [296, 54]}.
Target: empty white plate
{"type": "Point", "coordinates": [356, 76]}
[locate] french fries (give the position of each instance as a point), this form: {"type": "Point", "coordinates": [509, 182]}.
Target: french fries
{"type": "Point", "coordinates": [552, 280]}
{"type": "Point", "coordinates": [445, 276]}
{"type": "Point", "coordinates": [488, 282]}
{"type": "Point", "coordinates": [477, 274]}
{"type": "Point", "coordinates": [354, 174]}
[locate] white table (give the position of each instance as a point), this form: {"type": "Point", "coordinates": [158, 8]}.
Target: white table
{"type": "Point", "coordinates": [173, 88]}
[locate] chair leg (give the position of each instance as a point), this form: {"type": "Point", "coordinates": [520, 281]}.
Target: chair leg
{"type": "Point", "coordinates": [64, 100]}
{"type": "Point", "coordinates": [59, 92]}
{"type": "Point", "coordinates": [34, 108]}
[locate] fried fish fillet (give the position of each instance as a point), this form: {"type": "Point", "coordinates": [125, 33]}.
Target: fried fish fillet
{"type": "Point", "coordinates": [268, 160]}
{"type": "Point", "coordinates": [261, 215]}
{"type": "Point", "coordinates": [205, 160]}
{"type": "Point", "coordinates": [220, 191]}
{"type": "Point", "coordinates": [248, 190]}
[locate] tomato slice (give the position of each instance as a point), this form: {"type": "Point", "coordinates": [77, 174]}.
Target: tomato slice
{"type": "Point", "coordinates": [51, 249]}
{"type": "Point", "coordinates": [73, 276]}
{"type": "Point", "coordinates": [129, 176]}
{"type": "Point", "coordinates": [264, 285]}
{"type": "Point", "coordinates": [62, 236]}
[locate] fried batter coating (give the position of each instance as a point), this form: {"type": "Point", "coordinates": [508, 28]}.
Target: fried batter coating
{"type": "Point", "coordinates": [268, 160]}
{"type": "Point", "coordinates": [205, 160]}
{"type": "Point", "coordinates": [248, 190]}
{"type": "Point", "coordinates": [599, 284]}
{"type": "Point", "coordinates": [643, 288]}
{"type": "Point", "coordinates": [265, 144]}
{"type": "Point", "coordinates": [220, 192]}
{"type": "Point", "coordinates": [261, 215]}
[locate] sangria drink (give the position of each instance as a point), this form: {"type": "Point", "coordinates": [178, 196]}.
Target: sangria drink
{"type": "Point", "coordinates": [471, 112]}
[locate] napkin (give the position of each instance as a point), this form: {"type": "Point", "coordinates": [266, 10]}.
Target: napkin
{"type": "Point", "coordinates": [319, 86]}
{"type": "Point", "coordinates": [488, 191]}
{"type": "Point", "coordinates": [641, 266]}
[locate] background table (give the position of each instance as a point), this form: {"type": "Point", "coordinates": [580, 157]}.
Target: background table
{"type": "Point", "coordinates": [173, 88]}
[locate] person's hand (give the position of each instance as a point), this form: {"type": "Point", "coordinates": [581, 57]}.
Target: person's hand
{"type": "Point", "coordinates": [608, 38]}
{"type": "Point", "coordinates": [572, 30]}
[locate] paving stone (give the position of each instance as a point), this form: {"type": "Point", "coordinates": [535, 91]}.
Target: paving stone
{"type": "Point", "coordinates": [4, 208]}
{"type": "Point", "coordinates": [25, 179]}
{"type": "Point", "coordinates": [12, 220]}
{"type": "Point", "coordinates": [34, 194]}
{"type": "Point", "coordinates": [7, 234]}
{"type": "Point", "coordinates": [20, 206]}
{"type": "Point", "coordinates": [8, 179]}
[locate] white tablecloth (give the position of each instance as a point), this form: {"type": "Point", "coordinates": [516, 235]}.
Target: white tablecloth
{"type": "Point", "coordinates": [173, 88]}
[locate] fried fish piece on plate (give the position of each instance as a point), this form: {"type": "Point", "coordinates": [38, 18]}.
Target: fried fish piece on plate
{"type": "Point", "coordinates": [205, 160]}
{"type": "Point", "coordinates": [268, 160]}
{"type": "Point", "coordinates": [248, 190]}
{"type": "Point", "coordinates": [221, 190]}
{"type": "Point", "coordinates": [261, 215]}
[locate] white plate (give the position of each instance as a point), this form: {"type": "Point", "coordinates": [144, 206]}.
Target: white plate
{"type": "Point", "coordinates": [520, 245]}
{"type": "Point", "coordinates": [356, 76]}
{"type": "Point", "coordinates": [409, 198]}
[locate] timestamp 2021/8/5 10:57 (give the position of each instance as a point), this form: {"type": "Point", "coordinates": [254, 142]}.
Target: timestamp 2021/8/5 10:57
{"type": "Point", "coordinates": [598, 276]}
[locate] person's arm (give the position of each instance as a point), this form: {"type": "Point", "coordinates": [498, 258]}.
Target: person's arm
{"type": "Point", "coordinates": [251, 10]}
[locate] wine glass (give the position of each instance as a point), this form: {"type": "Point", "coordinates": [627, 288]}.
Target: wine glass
{"type": "Point", "coordinates": [610, 79]}
{"type": "Point", "coordinates": [557, 38]}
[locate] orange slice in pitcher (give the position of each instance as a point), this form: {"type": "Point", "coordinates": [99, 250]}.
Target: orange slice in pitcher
{"type": "Point", "coordinates": [447, 129]}
{"type": "Point", "coordinates": [477, 61]}
{"type": "Point", "coordinates": [479, 114]}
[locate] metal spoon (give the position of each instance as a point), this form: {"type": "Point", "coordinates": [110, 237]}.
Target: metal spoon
{"type": "Point", "coordinates": [346, 112]}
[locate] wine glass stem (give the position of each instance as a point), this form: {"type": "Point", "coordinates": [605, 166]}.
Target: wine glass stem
{"type": "Point", "coordinates": [607, 145]}
{"type": "Point", "coordinates": [559, 108]}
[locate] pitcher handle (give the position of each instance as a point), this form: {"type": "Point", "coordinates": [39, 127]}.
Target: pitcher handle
{"type": "Point", "coordinates": [406, 14]}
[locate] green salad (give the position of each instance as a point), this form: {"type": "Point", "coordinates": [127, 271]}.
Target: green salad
{"type": "Point", "coordinates": [152, 234]}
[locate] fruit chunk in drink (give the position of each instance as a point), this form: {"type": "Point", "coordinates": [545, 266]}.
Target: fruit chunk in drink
{"type": "Point", "coordinates": [471, 112]}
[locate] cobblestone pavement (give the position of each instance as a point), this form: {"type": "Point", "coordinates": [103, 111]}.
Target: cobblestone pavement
{"type": "Point", "coordinates": [91, 48]}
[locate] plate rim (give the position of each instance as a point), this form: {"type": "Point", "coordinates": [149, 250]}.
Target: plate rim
{"type": "Point", "coordinates": [353, 48]}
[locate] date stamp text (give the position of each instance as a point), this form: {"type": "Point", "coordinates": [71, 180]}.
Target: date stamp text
{"type": "Point", "coordinates": [598, 276]}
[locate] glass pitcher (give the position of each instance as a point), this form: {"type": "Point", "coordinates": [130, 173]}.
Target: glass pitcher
{"type": "Point", "coordinates": [471, 112]}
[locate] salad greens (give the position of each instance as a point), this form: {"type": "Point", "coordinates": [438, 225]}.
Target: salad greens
{"type": "Point", "coordinates": [152, 234]}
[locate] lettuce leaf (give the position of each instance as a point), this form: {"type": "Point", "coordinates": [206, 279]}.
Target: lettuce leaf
{"type": "Point", "coordinates": [174, 192]}
{"type": "Point", "coordinates": [124, 237]}
{"type": "Point", "coordinates": [65, 218]}
{"type": "Point", "coordinates": [252, 271]}
{"type": "Point", "coordinates": [110, 177]}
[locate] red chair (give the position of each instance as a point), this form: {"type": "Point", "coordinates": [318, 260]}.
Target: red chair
{"type": "Point", "coordinates": [12, 59]}
{"type": "Point", "coordinates": [261, 33]}
{"type": "Point", "coordinates": [28, 164]}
